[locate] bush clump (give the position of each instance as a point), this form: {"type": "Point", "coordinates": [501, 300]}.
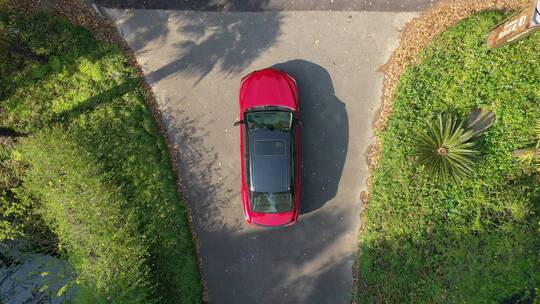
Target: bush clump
{"type": "Point", "coordinates": [97, 232]}
{"type": "Point", "coordinates": [95, 168]}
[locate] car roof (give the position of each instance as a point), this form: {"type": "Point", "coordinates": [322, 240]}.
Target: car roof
{"type": "Point", "coordinates": [270, 160]}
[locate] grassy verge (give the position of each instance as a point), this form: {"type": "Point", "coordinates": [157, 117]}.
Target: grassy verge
{"type": "Point", "coordinates": [475, 242]}
{"type": "Point", "coordinates": [95, 168]}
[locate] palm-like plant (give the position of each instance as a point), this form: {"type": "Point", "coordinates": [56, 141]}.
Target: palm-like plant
{"type": "Point", "coordinates": [531, 154]}
{"type": "Point", "coordinates": [446, 149]}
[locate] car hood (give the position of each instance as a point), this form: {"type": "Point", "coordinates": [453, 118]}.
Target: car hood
{"type": "Point", "coordinates": [268, 87]}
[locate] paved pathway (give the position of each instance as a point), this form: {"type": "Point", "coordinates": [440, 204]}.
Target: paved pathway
{"type": "Point", "coordinates": [194, 61]}
{"type": "Point", "coordinates": [273, 5]}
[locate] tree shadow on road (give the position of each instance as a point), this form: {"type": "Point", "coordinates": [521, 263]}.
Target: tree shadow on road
{"type": "Point", "coordinates": [199, 169]}
{"type": "Point", "coordinates": [195, 5]}
{"type": "Point", "coordinates": [205, 40]}
{"type": "Point", "coordinates": [325, 134]}
{"type": "Point", "coordinates": [272, 5]}
{"type": "Point", "coordinates": [299, 264]}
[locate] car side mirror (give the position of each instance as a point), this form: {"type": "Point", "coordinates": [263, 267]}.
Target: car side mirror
{"type": "Point", "coordinates": [237, 123]}
{"type": "Point", "coordinates": [299, 122]}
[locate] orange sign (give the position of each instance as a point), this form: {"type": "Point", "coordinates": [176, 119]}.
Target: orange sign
{"type": "Point", "coordinates": [515, 27]}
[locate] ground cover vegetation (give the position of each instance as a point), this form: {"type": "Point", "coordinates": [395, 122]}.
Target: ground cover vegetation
{"type": "Point", "coordinates": [531, 154]}
{"type": "Point", "coordinates": [84, 172]}
{"type": "Point", "coordinates": [472, 240]}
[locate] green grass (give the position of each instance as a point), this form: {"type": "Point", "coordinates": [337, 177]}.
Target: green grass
{"type": "Point", "coordinates": [472, 242]}
{"type": "Point", "coordinates": [95, 168]}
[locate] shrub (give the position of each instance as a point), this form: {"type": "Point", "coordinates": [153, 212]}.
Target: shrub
{"type": "Point", "coordinates": [14, 214]}
{"type": "Point", "coordinates": [10, 42]}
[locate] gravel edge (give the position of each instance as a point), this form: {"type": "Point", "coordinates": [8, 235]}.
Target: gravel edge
{"type": "Point", "coordinates": [83, 13]}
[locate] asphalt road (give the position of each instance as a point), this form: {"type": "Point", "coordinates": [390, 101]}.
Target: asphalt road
{"type": "Point", "coordinates": [272, 5]}
{"type": "Point", "coordinates": [194, 62]}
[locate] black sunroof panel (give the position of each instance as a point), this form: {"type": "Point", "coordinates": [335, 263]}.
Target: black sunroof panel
{"type": "Point", "coordinates": [269, 147]}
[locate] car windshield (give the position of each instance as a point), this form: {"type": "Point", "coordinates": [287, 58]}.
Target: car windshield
{"type": "Point", "coordinates": [264, 202]}
{"type": "Point", "coordinates": [272, 120]}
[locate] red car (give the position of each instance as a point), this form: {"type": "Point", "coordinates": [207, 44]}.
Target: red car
{"type": "Point", "coordinates": [270, 148]}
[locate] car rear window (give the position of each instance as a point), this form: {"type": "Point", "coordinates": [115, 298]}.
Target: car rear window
{"type": "Point", "coordinates": [269, 147]}
{"type": "Point", "coordinates": [264, 202]}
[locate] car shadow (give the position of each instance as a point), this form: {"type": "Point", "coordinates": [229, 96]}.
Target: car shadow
{"type": "Point", "coordinates": [303, 263]}
{"type": "Point", "coordinates": [325, 134]}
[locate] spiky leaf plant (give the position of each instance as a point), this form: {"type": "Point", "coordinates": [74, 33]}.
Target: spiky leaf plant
{"type": "Point", "coordinates": [531, 154]}
{"type": "Point", "coordinates": [446, 150]}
